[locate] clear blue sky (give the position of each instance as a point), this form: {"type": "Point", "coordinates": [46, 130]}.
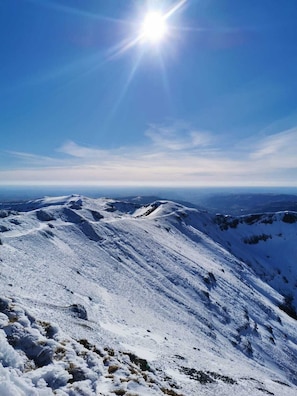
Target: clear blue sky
{"type": "Point", "coordinates": [83, 102]}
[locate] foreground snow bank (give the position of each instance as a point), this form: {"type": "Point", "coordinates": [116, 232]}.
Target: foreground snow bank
{"type": "Point", "coordinates": [38, 359]}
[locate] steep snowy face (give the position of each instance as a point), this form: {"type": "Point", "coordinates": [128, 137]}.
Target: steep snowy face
{"type": "Point", "coordinates": [268, 243]}
{"type": "Point", "coordinates": [156, 284]}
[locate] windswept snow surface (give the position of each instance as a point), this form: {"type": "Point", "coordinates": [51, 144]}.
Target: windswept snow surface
{"type": "Point", "coordinates": [102, 297]}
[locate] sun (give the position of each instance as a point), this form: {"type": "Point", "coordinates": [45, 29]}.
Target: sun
{"type": "Point", "coordinates": [154, 27]}
{"type": "Point", "coordinates": [151, 27]}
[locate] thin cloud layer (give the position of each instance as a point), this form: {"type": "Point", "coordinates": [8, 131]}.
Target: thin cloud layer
{"type": "Point", "coordinates": [186, 138]}
{"type": "Point", "coordinates": [280, 148]}
{"type": "Point", "coordinates": [171, 156]}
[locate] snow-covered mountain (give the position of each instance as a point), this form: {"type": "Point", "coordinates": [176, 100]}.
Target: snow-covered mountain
{"type": "Point", "coordinates": [103, 297]}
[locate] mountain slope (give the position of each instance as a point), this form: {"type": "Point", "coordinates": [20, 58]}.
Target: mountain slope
{"type": "Point", "coordinates": [267, 243]}
{"type": "Point", "coordinates": [159, 297]}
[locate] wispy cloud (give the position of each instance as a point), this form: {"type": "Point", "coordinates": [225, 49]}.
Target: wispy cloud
{"type": "Point", "coordinates": [30, 159]}
{"type": "Point", "coordinates": [172, 155]}
{"type": "Point", "coordinates": [178, 137]}
{"type": "Point", "coordinates": [280, 148]}
{"type": "Point", "coordinates": [74, 150]}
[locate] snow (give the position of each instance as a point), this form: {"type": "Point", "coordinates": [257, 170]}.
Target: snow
{"type": "Point", "coordinates": [272, 257]}
{"type": "Point", "coordinates": [101, 297]}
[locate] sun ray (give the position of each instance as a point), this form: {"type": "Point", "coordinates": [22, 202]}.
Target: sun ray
{"type": "Point", "coordinates": [123, 91]}
{"type": "Point", "coordinates": [123, 47]}
{"type": "Point", "coordinates": [72, 10]}
{"type": "Point", "coordinates": [165, 80]}
{"type": "Point", "coordinates": [175, 8]}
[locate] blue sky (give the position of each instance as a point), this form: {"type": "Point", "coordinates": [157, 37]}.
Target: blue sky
{"type": "Point", "coordinates": [82, 101]}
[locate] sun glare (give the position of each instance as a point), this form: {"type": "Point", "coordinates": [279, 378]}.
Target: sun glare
{"type": "Point", "coordinates": [154, 27]}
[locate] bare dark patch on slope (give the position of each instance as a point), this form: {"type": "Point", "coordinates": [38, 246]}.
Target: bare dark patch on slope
{"type": "Point", "coordinates": [254, 239]}
{"type": "Point", "coordinates": [96, 215]}
{"type": "Point", "coordinates": [45, 215]}
{"type": "Point", "coordinates": [206, 377]}
{"type": "Point", "coordinates": [290, 217]}
{"type": "Point", "coordinates": [150, 209]}
{"type": "Point", "coordinates": [89, 231]}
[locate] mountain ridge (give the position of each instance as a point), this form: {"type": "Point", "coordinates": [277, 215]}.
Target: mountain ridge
{"type": "Point", "coordinates": [161, 282]}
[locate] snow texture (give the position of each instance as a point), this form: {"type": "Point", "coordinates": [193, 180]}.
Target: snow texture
{"type": "Point", "coordinates": [103, 297]}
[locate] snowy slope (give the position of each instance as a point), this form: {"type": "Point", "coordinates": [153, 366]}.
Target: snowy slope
{"type": "Point", "coordinates": [268, 243]}
{"type": "Point", "coordinates": [103, 297]}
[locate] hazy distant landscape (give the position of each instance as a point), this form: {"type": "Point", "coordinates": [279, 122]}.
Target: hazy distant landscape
{"type": "Point", "coordinates": [225, 200]}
